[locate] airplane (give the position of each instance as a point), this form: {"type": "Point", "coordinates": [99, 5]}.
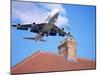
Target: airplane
{"type": "Point", "coordinates": [48, 28]}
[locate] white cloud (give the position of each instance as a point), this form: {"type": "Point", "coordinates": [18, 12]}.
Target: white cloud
{"type": "Point", "coordinates": [29, 12]}
{"type": "Point", "coordinates": [62, 21]}
{"type": "Point", "coordinates": [54, 6]}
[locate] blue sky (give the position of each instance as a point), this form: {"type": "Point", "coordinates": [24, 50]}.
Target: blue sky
{"type": "Point", "coordinates": [80, 18]}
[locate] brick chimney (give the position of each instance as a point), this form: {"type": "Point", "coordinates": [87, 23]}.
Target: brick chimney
{"type": "Point", "coordinates": [67, 48]}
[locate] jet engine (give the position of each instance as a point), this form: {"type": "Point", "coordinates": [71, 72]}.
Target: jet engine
{"type": "Point", "coordinates": [62, 28]}
{"type": "Point", "coordinates": [33, 28]}
{"type": "Point", "coordinates": [21, 27]}
{"type": "Point", "coordinates": [52, 32]}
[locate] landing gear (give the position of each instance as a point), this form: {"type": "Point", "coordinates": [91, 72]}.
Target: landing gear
{"type": "Point", "coordinates": [47, 35]}
{"type": "Point", "coordinates": [52, 32]}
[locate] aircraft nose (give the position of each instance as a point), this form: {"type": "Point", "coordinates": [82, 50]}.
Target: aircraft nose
{"type": "Point", "coordinates": [57, 11]}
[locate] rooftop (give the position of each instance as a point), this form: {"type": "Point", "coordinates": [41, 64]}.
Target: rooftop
{"type": "Point", "coordinates": [42, 61]}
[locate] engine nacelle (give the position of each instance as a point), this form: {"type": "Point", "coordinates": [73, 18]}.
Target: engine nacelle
{"type": "Point", "coordinates": [18, 25]}
{"type": "Point", "coordinates": [62, 28]}
{"type": "Point", "coordinates": [33, 23]}
{"type": "Point", "coordinates": [21, 27]}
{"type": "Point", "coordinates": [61, 34]}
{"type": "Point", "coordinates": [52, 32]}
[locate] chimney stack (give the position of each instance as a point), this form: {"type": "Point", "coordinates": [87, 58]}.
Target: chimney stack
{"type": "Point", "coordinates": [68, 49]}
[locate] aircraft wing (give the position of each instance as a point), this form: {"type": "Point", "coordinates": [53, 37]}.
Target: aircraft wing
{"type": "Point", "coordinates": [59, 31]}
{"type": "Point", "coordinates": [23, 26]}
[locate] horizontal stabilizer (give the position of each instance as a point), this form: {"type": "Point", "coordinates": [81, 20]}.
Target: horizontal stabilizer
{"type": "Point", "coordinates": [34, 38]}
{"type": "Point", "coordinates": [43, 40]}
